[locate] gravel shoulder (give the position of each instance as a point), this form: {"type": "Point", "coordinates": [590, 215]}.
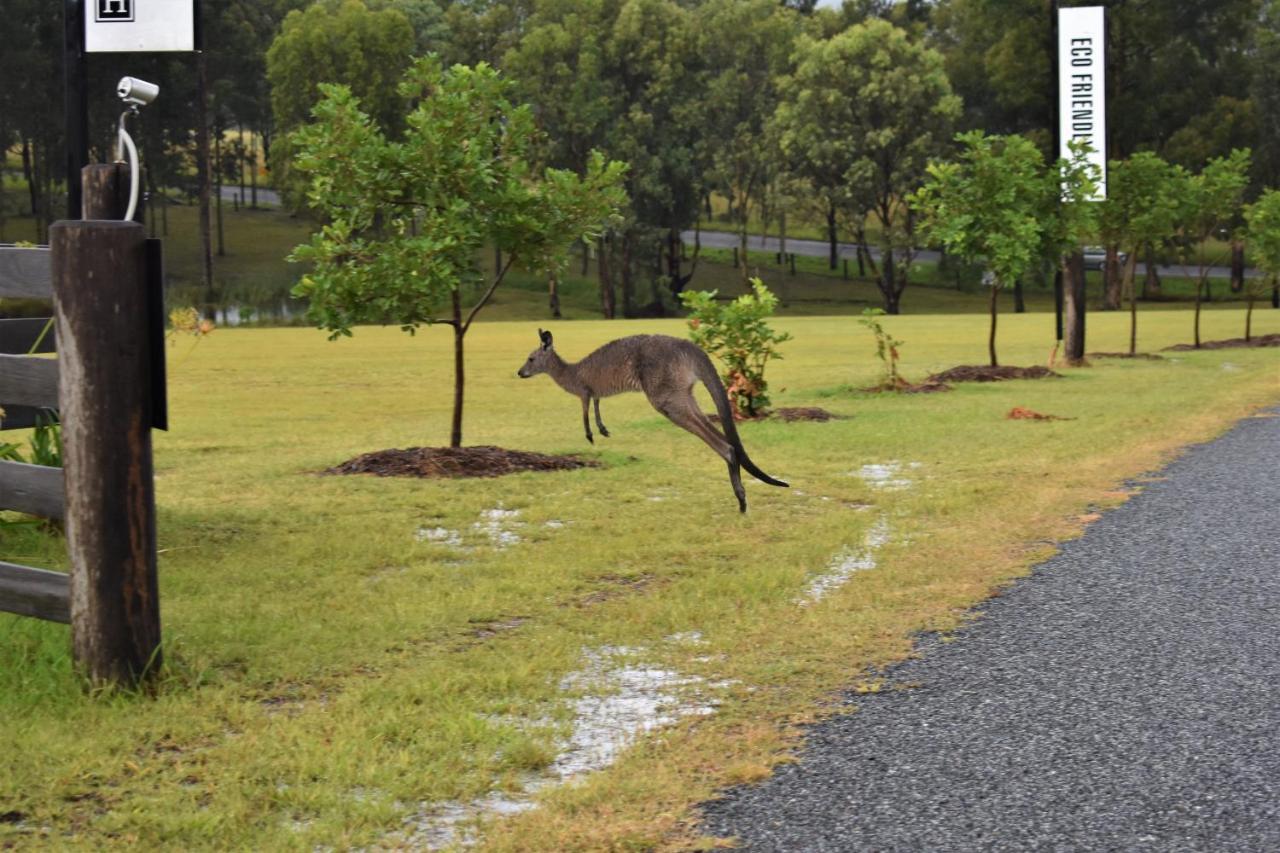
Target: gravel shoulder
{"type": "Point", "coordinates": [1124, 696]}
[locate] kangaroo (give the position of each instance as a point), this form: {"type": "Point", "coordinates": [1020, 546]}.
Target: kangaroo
{"type": "Point", "coordinates": [665, 369]}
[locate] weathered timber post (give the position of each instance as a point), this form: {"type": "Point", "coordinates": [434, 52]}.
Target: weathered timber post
{"type": "Point", "coordinates": [101, 315]}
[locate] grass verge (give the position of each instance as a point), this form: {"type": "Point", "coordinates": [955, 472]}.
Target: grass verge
{"type": "Point", "coordinates": [335, 663]}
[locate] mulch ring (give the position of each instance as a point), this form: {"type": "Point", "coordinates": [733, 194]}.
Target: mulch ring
{"type": "Point", "coordinates": [1149, 356]}
{"type": "Point", "coordinates": [986, 373]}
{"type": "Point", "coordinates": [905, 387]}
{"type": "Point", "coordinates": [1230, 343]}
{"type": "Point", "coordinates": [789, 415]}
{"type": "Point", "coordinates": [438, 462]}
{"type": "Point", "coordinates": [1020, 413]}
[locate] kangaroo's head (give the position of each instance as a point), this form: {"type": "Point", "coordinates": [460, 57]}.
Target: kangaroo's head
{"type": "Point", "coordinates": [539, 360]}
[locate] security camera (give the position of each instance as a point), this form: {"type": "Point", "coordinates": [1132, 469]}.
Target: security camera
{"type": "Point", "coordinates": [137, 92]}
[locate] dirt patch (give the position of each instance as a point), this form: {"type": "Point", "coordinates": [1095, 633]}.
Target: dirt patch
{"type": "Point", "coordinates": [437, 462]}
{"type": "Point", "coordinates": [1230, 343]}
{"type": "Point", "coordinates": [905, 387]}
{"type": "Point", "coordinates": [1149, 356]}
{"type": "Point", "coordinates": [986, 373]}
{"type": "Point", "coordinates": [1018, 413]}
{"type": "Point", "coordinates": [789, 415]}
{"type": "Point", "coordinates": [615, 586]}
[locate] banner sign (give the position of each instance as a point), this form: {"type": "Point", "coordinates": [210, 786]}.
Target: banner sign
{"type": "Point", "coordinates": [1082, 84]}
{"type": "Point", "coordinates": [135, 26]}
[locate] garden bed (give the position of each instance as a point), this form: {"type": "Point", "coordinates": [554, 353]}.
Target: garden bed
{"type": "Point", "coordinates": [1230, 343]}
{"type": "Point", "coordinates": [451, 462]}
{"type": "Point", "coordinates": [790, 415]}
{"type": "Point", "coordinates": [986, 373]}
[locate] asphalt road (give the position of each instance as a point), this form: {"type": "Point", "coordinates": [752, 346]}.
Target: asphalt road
{"type": "Point", "coordinates": [819, 249]}
{"type": "Point", "coordinates": [1125, 696]}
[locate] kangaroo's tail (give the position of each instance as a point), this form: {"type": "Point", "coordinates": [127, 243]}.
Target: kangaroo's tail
{"type": "Point", "coordinates": [707, 373]}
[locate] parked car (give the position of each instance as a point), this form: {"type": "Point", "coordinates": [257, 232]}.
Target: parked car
{"type": "Point", "coordinates": [1095, 257]}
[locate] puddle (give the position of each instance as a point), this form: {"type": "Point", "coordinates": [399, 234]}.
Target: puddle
{"type": "Point", "coordinates": [618, 699]}
{"type": "Point", "coordinates": [555, 524]}
{"type": "Point", "coordinates": [442, 535]}
{"type": "Point", "coordinates": [1230, 367]}
{"type": "Point", "coordinates": [846, 563]}
{"type": "Point", "coordinates": [498, 525]}
{"type": "Point", "coordinates": [886, 476]}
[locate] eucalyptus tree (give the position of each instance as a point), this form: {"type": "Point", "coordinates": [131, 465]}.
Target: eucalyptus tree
{"type": "Point", "coordinates": [335, 41]}
{"type": "Point", "coordinates": [407, 219]}
{"type": "Point", "coordinates": [1140, 210]}
{"type": "Point", "coordinates": [861, 116]}
{"type": "Point", "coordinates": [745, 48]}
{"type": "Point", "coordinates": [988, 206]}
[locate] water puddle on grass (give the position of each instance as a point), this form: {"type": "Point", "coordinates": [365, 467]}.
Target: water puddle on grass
{"type": "Point", "coordinates": [618, 699]}
{"type": "Point", "coordinates": [497, 525]}
{"type": "Point", "coordinates": [886, 476]}
{"type": "Point", "coordinates": [847, 562]}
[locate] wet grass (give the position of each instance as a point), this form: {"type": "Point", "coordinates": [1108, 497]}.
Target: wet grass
{"type": "Point", "coordinates": [331, 669]}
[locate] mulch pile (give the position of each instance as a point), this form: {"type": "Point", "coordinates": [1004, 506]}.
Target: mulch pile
{"type": "Point", "coordinates": [1230, 343]}
{"type": "Point", "coordinates": [482, 461]}
{"type": "Point", "coordinates": [1018, 413]}
{"type": "Point", "coordinates": [789, 415]}
{"type": "Point", "coordinates": [986, 373]}
{"type": "Point", "coordinates": [1149, 356]}
{"type": "Point", "coordinates": [905, 387]}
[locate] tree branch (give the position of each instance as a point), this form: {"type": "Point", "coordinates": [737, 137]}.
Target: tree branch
{"type": "Point", "coordinates": [488, 293]}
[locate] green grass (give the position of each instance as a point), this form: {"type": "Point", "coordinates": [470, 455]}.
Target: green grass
{"type": "Point", "coordinates": [327, 671]}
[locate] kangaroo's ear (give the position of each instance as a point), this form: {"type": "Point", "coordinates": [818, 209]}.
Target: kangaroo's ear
{"type": "Point", "coordinates": [546, 339]}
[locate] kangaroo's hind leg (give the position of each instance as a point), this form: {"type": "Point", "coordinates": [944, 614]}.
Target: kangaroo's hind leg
{"type": "Point", "coordinates": [600, 423]}
{"type": "Point", "coordinates": [683, 411]}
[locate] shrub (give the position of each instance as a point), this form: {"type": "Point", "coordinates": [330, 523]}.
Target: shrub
{"type": "Point", "coordinates": [737, 333]}
{"type": "Point", "coordinates": [886, 350]}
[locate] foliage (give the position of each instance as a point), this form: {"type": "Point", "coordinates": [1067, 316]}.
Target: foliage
{"type": "Point", "coordinates": [336, 41]}
{"type": "Point", "coordinates": [738, 333]}
{"type": "Point", "coordinates": [1262, 221]}
{"type": "Point", "coordinates": [990, 205]}
{"type": "Point", "coordinates": [45, 443]}
{"type": "Point", "coordinates": [407, 219]}
{"type": "Point", "coordinates": [861, 116]}
{"type": "Point", "coordinates": [886, 350]}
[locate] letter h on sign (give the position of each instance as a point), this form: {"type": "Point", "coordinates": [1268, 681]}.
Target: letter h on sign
{"type": "Point", "coordinates": [113, 10]}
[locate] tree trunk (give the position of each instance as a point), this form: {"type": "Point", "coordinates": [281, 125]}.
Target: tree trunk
{"type": "Point", "coordinates": [1151, 285]}
{"type": "Point", "coordinates": [586, 258]}
{"type": "Point", "coordinates": [203, 173]}
{"type": "Point", "coordinates": [253, 170]}
{"type": "Point", "coordinates": [1199, 291]}
{"type": "Point", "coordinates": [1237, 266]}
{"type": "Point", "coordinates": [782, 232]}
{"type": "Point", "coordinates": [832, 263]}
{"type": "Point", "coordinates": [742, 244]}
{"type": "Point", "coordinates": [1275, 296]}
{"type": "Point", "coordinates": [1019, 303]}
{"type": "Point", "coordinates": [1073, 308]}
{"type": "Point", "coordinates": [455, 430]}
{"type": "Point", "coordinates": [888, 287]}
{"type": "Point", "coordinates": [608, 299]}
{"type": "Point", "coordinates": [217, 171]}
{"type": "Point", "coordinates": [628, 275]}
{"type": "Point", "coordinates": [1112, 284]}
{"type": "Point", "coordinates": [244, 156]}
{"type": "Point", "coordinates": [991, 338]}
{"type": "Point", "coordinates": [28, 173]}
{"type": "Point", "coordinates": [553, 287]}
{"type": "Point", "coordinates": [1248, 320]}
{"type": "Point", "coordinates": [1130, 288]}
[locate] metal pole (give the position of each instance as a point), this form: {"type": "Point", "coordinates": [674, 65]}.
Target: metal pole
{"type": "Point", "coordinates": [75, 101]}
{"type": "Point", "coordinates": [1055, 127]}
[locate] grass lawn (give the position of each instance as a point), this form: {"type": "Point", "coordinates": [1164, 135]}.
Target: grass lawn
{"type": "Point", "coordinates": [348, 655]}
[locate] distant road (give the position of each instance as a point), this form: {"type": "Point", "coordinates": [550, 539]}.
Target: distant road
{"type": "Point", "coordinates": [265, 196]}
{"type": "Point", "coordinates": [819, 248]}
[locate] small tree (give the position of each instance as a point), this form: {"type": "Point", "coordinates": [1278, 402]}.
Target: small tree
{"type": "Point", "coordinates": [988, 206]}
{"type": "Point", "coordinates": [1208, 203]}
{"type": "Point", "coordinates": [886, 350]}
{"type": "Point", "coordinates": [1262, 221]}
{"type": "Point", "coordinates": [1141, 205]}
{"type": "Point", "coordinates": [1070, 216]}
{"type": "Point", "coordinates": [408, 220]}
{"type": "Point", "coordinates": [738, 334]}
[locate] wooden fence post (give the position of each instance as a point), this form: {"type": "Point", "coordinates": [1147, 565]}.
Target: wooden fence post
{"type": "Point", "coordinates": [100, 301]}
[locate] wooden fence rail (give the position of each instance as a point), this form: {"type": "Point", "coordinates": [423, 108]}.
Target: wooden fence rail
{"type": "Point", "coordinates": [25, 273]}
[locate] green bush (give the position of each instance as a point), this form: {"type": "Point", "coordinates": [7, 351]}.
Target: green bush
{"type": "Point", "coordinates": [737, 333]}
{"type": "Point", "coordinates": [886, 350]}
